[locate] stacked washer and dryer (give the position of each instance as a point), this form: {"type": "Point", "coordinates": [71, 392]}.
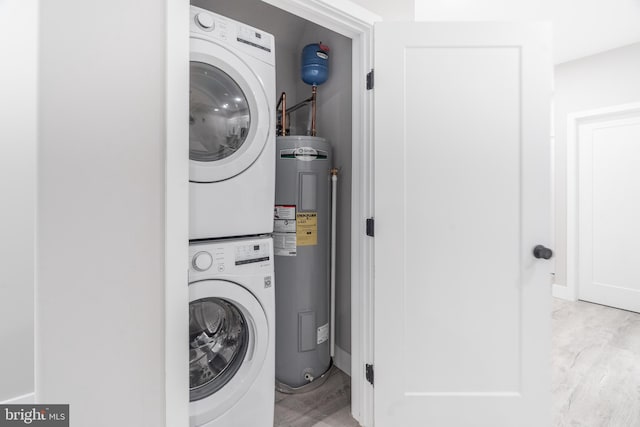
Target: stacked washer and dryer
{"type": "Point", "coordinates": [232, 186]}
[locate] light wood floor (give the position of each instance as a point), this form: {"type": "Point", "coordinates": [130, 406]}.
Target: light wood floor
{"type": "Point", "coordinates": [327, 406]}
{"type": "Point", "coordinates": [595, 367]}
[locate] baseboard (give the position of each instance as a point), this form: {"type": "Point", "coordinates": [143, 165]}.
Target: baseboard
{"type": "Point", "coordinates": [25, 399]}
{"type": "Point", "coordinates": [342, 360]}
{"type": "Point", "coordinates": [563, 292]}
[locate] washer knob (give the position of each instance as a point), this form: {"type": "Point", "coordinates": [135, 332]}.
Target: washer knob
{"type": "Point", "coordinates": [206, 21]}
{"type": "Point", "coordinates": [202, 261]}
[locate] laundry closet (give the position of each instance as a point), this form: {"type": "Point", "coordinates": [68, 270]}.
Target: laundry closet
{"type": "Point", "coordinates": [333, 122]}
{"type": "Point", "coordinates": [458, 121]}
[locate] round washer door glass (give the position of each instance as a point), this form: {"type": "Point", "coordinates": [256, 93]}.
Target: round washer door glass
{"type": "Point", "coordinates": [219, 114]}
{"type": "Point", "coordinates": [218, 340]}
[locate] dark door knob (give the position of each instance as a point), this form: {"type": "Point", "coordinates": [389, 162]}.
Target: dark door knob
{"type": "Point", "coordinates": [542, 252]}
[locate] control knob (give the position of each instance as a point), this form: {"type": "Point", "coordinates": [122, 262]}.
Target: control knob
{"type": "Point", "coordinates": [205, 21]}
{"type": "Point", "coordinates": [202, 261]}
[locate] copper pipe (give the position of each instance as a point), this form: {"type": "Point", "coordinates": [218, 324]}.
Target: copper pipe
{"type": "Point", "coordinates": [299, 105]}
{"type": "Point", "coordinates": [283, 119]}
{"type": "Point", "coordinates": [286, 112]}
{"type": "Point", "coordinates": [314, 91]}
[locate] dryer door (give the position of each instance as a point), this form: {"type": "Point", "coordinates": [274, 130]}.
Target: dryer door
{"type": "Point", "coordinates": [229, 116]}
{"type": "Point", "coordinates": [228, 340]}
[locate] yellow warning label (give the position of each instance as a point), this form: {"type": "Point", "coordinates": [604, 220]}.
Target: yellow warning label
{"type": "Point", "coordinates": [307, 228]}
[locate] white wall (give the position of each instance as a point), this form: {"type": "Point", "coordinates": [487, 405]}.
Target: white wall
{"type": "Point", "coordinates": [396, 10]}
{"type": "Point", "coordinates": [18, 120]}
{"type": "Point", "coordinates": [603, 80]}
{"type": "Point", "coordinates": [581, 27]}
{"type": "Point", "coordinates": [483, 10]}
{"type": "Point", "coordinates": [100, 288]}
{"type": "Point", "coordinates": [587, 27]}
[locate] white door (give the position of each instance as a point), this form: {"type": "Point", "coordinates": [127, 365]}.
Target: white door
{"type": "Point", "coordinates": [462, 197]}
{"type": "Point", "coordinates": [609, 212]}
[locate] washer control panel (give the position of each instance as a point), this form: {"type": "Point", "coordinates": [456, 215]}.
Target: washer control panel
{"type": "Point", "coordinates": [241, 256]}
{"type": "Point", "coordinates": [255, 252]}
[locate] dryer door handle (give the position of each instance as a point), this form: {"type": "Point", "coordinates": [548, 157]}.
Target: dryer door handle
{"type": "Point", "coordinates": [251, 346]}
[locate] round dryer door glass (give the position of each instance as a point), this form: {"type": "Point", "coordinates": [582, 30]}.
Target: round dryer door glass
{"type": "Point", "coordinates": [219, 116]}
{"type": "Point", "coordinates": [218, 339]}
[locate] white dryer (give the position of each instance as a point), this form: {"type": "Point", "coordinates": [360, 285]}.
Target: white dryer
{"type": "Point", "coordinates": [231, 128]}
{"type": "Point", "coordinates": [231, 333]}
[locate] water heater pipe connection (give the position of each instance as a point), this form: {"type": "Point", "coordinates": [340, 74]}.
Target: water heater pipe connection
{"type": "Point", "coordinates": [314, 91]}
{"type": "Point", "coordinates": [284, 112]}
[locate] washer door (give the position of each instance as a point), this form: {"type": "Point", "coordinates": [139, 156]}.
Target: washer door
{"type": "Point", "coordinates": [228, 114]}
{"type": "Point", "coordinates": [228, 339]}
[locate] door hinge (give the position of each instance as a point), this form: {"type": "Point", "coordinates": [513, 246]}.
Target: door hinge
{"type": "Point", "coordinates": [370, 80]}
{"type": "Point", "coordinates": [370, 227]}
{"type": "Point", "coordinates": [369, 373]}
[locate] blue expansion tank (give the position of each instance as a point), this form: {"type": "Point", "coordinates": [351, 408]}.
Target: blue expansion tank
{"type": "Point", "coordinates": [314, 69]}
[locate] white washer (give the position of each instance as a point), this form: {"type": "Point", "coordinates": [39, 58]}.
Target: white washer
{"type": "Point", "coordinates": [231, 128]}
{"type": "Point", "coordinates": [231, 333]}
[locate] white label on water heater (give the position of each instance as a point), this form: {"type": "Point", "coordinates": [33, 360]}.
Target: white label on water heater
{"type": "Point", "coordinates": [284, 244]}
{"type": "Point", "coordinates": [284, 225]}
{"type": "Point", "coordinates": [284, 212]}
{"type": "Point", "coordinates": [323, 333]}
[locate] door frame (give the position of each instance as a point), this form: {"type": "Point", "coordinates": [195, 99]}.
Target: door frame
{"type": "Point", "coordinates": [176, 214]}
{"type": "Point", "coordinates": [343, 17]}
{"type": "Point", "coordinates": [574, 120]}
{"type": "Point", "coordinates": [356, 23]}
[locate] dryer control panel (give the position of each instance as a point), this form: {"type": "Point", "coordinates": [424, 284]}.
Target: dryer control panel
{"type": "Point", "coordinates": [245, 38]}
